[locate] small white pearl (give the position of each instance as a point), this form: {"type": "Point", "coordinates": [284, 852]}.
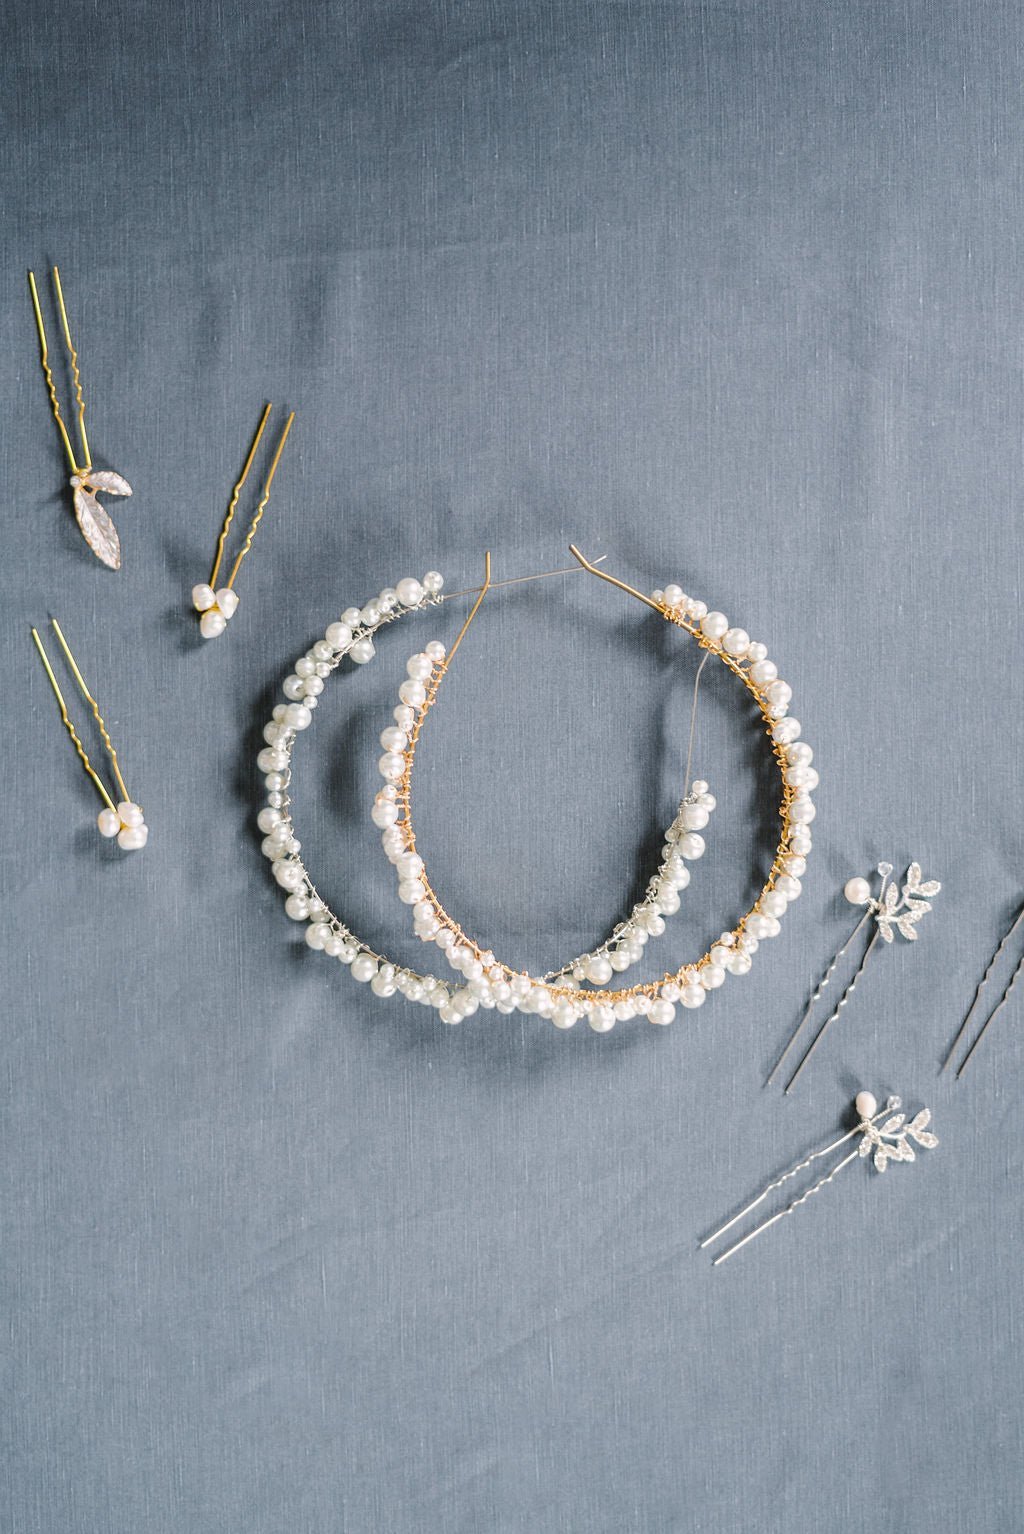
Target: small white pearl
{"type": "Point", "coordinates": [391, 766]}
{"type": "Point", "coordinates": [393, 739]}
{"type": "Point", "coordinates": [691, 845]}
{"type": "Point", "coordinates": [316, 935]}
{"type": "Point", "coordinates": [312, 687]}
{"type": "Point", "coordinates": [763, 671]}
{"type": "Point", "coordinates": [599, 969]}
{"type": "Point", "coordinates": [720, 956]}
{"type": "Point", "coordinates": [774, 903]}
{"type": "Point", "coordinates": [739, 964]}
{"type": "Point", "coordinates": [305, 666]}
{"type": "Point", "coordinates": [755, 928]}
{"type": "Point", "coordinates": [693, 994]}
{"type": "Point", "coordinates": [362, 651]}
{"type": "Point", "coordinates": [795, 865]}
{"type": "Point", "coordinates": [297, 907]}
{"type": "Point", "coordinates": [412, 693]}
{"type": "Point", "coordinates": [203, 598]}
{"type": "Point", "coordinates": [384, 815]}
{"type": "Point", "coordinates": [338, 635]}
{"type": "Point", "coordinates": [857, 892]}
{"type": "Point", "coordinates": [865, 1105]}
{"type": "Point", "coordinates": [662, 1013]}
{"type": "Point", "coordinates": [322, 652]}
{"type": "Point", "coordinates": [800, 841]}
{"type": "Point", "coordinates": [714, 625]}
{"type": "Point", "coordinates": [131, 814]}
{"type": "Point", "coordinates": [298, 716]}
{"type": "Point", "coordinates": [268, 820]}
{"type": "Point", "coordinates": [380, 985]}
{"type": "Point", "coordinates": [564, 1015]}
{"type": "Point", "coordinates": [712, 976]}
{"type": "Point", "coordinates": [697, 609]}
{"type": "Point", "coordinates": [786, 731]}
{"type": "Point", "coordinates": [619, 960]}
{"type": "Point", "coordinates": [802, 812]}
{"type": "Point", "coordinates": [736, 642]}
{"type": "Point", "coordinates": [132, 838]}
{"type": "Point", "coordinates": [419, 667]}
{"type": "Point", "coordinates": [435, 651]}
{"type": "Point", "coordinates": [673, 596]}
{"type": "Point", "coordinates": [388, 600]}
{"type": "Point", "coordinates": [432, 582]}
{"type": "Point", "coordinates": [227, 601]}
{"type": "Point", "coordinates": [109, 822]}
{"type": "Point", "coordinates": [364, 967]}
{"type": "Point", "coordinates": [409, 591]}
{"type": "Point", "coordinates": [293, 687]}
{"type": "Point", "coordinates": [212, 623]}
{"type": "Point", "coordinates": [799, 754]}
{"type": "Point", "coordinates": [786, 885]}
{"type": "Point", "coordinates": [288, 875]}
{"type": "Point", "coordinates": [757, 651]}
{"type": "Point", "coordinates": [601, 1019]}
{"type": "Point", "coordinates": [778, 692]}
{"type": "Point", "coordinates": [370, 615]}
{"type": "Point", "coordinates": [798, 777]}
{"type": "Point", "coordinates": [694, 817]}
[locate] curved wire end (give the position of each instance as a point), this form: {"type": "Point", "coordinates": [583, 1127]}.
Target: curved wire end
{"type": "Point", "coordinates": [484, 589]}
{"type": "Point", "coordinates": [614, 581]}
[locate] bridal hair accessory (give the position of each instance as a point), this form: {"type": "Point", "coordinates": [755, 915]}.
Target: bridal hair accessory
{"type": "Point", "coordinates": [123, 819]}
{"type": "Point", "coordinates": [97, 529]}
{"type": "Point", "coordinates": [882, 1141]}
{"type": "Point", "coordinates": [891, 908]}
{"type": "Point", "coordinates": [1000, 1004]}
{"type": "Point", "coordinates": [216, 605]}
{"type": "Point", "coordinates": [492, 982]}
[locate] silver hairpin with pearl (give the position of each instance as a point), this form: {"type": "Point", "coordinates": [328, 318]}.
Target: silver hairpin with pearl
{"type": "Point", "coordinates": [216, 605]}
{"type": "Point", "coordinates": [892, 910]}
{"type": "Point", "coordinates": [885, 1136]}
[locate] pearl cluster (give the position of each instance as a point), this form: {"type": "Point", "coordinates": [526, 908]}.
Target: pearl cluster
{"type": "Point", "coordinates": [216, 607]}
{"type": "Point", "coordinates": [485, 982]}
{"type": "Point", "coordinates": [126, 823]}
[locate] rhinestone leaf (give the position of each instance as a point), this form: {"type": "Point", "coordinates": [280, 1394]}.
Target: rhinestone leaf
{"type": "Point", "coordinates": [929, 887]}
{"type": "Point", "coordinates": [906, 926]}
{"type": "Point", "coordinates": [891, 1125]}
{"type": "Point", "coordinates": [106, 479]}
{"type": "Point", "coordinates": [913, 876]}
{"type": "Point", "coordinates": [881, 1158]}
{"type": "Point", "coordinates": [97, 529]}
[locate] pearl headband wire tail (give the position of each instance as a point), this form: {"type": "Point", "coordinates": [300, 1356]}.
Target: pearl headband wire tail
{"type": "Point", "coordinates": [982, 983]}
{"type": "Point", "coordinates": [889, 1141]}
{"type": "Point", "coordinates": [124, 819]}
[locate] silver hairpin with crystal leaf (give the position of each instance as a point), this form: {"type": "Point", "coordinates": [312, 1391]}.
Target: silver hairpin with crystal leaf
{"type": "Point", "coordinates": [892, 910]}
{"type": "Point", "coordinates": [885, 1136]}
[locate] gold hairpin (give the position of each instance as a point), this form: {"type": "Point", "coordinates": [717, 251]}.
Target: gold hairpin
{"type": "Point", "coordinates": [217, 606]}
{"type": "Point", "coordinates": [98, 530]}
{"type": "Point", "coordinates": [123, 819]}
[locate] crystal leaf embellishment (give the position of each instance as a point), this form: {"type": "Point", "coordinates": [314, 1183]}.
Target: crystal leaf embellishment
{"type": "Point", "coordinates": [97, 528]}
{"type": "Point", "coordinates": [891, 1141]}
{"type": "Point", "coordinates": [902, 910]}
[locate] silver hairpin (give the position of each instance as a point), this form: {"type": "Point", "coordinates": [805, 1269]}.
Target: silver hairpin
{"type": "Point", "coordinates": [890, 909]}
{"type": "Point", "coordinates": [884, 1142]}
{"type": "Point", "coordinates": [1000, 1004]}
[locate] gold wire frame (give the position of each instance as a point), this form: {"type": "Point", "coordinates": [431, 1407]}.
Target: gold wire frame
{"type": "Point", "coordinates": [69, 725]}
{"type": "Point", "coordinates": [686, 972]}
{"type": "Point", "coordinates": [236, 492]}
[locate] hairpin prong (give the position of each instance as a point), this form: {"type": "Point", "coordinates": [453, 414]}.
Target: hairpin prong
{"type": "Point", "coordinates": [217, 605]}
{"type": "Point", "coordinates": [982, 984]}
{"type": "Point", "coordinates": [123, 819]}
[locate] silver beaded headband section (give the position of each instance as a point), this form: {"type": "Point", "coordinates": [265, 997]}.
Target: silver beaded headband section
{"type": "Point", "coordinates": [885, 1135]}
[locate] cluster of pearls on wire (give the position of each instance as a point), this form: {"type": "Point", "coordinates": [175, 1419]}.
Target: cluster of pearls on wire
{"type": "Point", "coordinates": [126, 822]}
{"type": "Point", "coordinates": [493, 983]}
{"type": "Point", "coordinates": [215, 608]}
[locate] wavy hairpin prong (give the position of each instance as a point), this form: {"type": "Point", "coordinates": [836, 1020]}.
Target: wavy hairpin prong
{"type": "Point", "coordinates": [96, 526]}
{"type": "Point", "coordinates": [884, 1142]}
{"type": "Point", "coordinates": [890, 909]}
{"type": "Point", "coordinates": [1000, 1004]}
{"type": "Point", "coordinates": [123, 818]}
{"type": "Point", "coordinates": [216, 605]}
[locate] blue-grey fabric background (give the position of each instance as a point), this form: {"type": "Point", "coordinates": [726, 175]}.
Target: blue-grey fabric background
{"type": "Point", "coordinates": [731, 293]}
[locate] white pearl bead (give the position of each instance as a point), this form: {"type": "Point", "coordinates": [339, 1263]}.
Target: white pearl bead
{"type": "Point", "coordinates": [564, 1015]}
{"type": "Point", "coordinates": [384, 815]}
{"type": "Point", "coordinates": [435, 650]}
{"type": "Point", "coordinates": [755, 928]}
{"type": "Point", "coordinates": [799, 754]}
{"type": "Point", "coordinates": [693, 994]}
{"type": "Point", "coordinates": [802, 812]}
{"type": "Point", "coordinates": [800, 841]}
{"type": "Point", "coordinates": [132, 838]}
{"type": "Point", "coordinates": [795, 865]}
{"type": "Point", "coordinates": [316, 935]}
{"type": "Point", "coordinates": [673, 596]}
{"type": "Point", "coordinates": [109, 822]}
{"type": "Point", "coordinates": [293, 687]}
{"type": "Point", "coordinates": [338, 635]}
{"type": "Point", "coordinates": [370, 615]}
{"type": "Point", "coordinates": [268, 820]}
{"type": "Point", "coordinates": [227, 601]}
{"type": "Point", "coordinates": [297, 907]}
{"type": "Point", "coordinates": [362, 651]}
{"type": "Point", "coordinates": [739, 964]}
{"type": "Point", "coordinates": [714, 625]}
{"type": "Point", "coordinates": [212, 623]}
{"type": "Point", "coordinates": [712, 976]}
{"type": "Point", "coordinates": [131, 814]}
{"type": "Point", "coordinates": [393, 739]}
{"type": "Point", "coordinates": [601, 1019]}
{"type": "Point", "coordinates": [865, 1105]}
{"type": "Point", "coordinates": [691, 845]}
{"type": "Point", "coordinates": [619, 960]}
{"type": "Point", "coordinates": [312, 687]}
{"type": "Point", "coordinates": [388, 600]}
{"type": "Point", "coordinates": [697, 609]}
{"type": "Point", "coordinates": [419, 667]}
{"type": "Point", "coordinates": [786, 731]}
{"type": "Point", "coordinates": [203, 597]}
{"type": "Point", "coordinates": [410, 866]}
{"type": "Point", "coordinates": [409, 591]}
{"type": "Point", "coordinates": [412, 693]}
{"type": "Point", "coordinates": [763, 671]}
{"type": "Point", "coordinates": [786, 885]}
{"type": "Point", "coordinates": [857, 892]}
{"type": "Point", "coordinates": [694, 817]}
{"type": "Point", "coordinates": [798, 777]}
{"type": "Point", "coordinates": [720, 955]}
{"type": "Point", "coordinates": [288, 875]}
{"type": "Point", "coordinates": [662, 1013]}
{"type": "Point", "coordinates": [404, 717]}
{"type": "Point", "coordinates": [391, 766]}
{"type": "Point", "coordinates": [432, 582]}
{"type": "Point", "coordinates": [298, 716]}
{"type": "Point", "coordinates": [757, 651]}
{"type": "Point", "coordinates": [774, 903]}
{"type": "Point", "coordinates": [381, 986]}
{"type": "Point", "coordinates": [736, 642]}
{"type": "Point", "coordinates": [599, 969]}
{"type": "Point", "coordinates": [364, 967]}
{"type": "Point", "coordinates": [778, 692]}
